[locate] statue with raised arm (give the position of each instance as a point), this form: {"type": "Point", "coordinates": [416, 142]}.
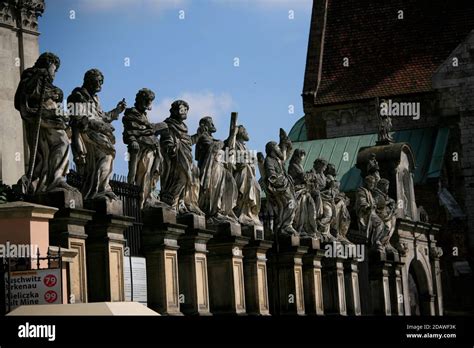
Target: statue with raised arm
{"type": "Point", "coordinates": [178, 175]}
{"type": "Point", "coordinates": [279, 186]}
{"type": "Point", "coordinates": [37, 99]}
{"type": "Point", "coordinates": [139, 134]}
{"type": "Point", "coordinates": [248, 199]}
{"type": "Point", "coordinates": [93, 137]}
{"type": "Point", "coordinates": [386, 210]}
{"type": "Point", "coordinates": [368, 220]}
{"type": "Point", "coordinates": [218, 195]}
{"type": "Point", "coordinates": [305, 215]}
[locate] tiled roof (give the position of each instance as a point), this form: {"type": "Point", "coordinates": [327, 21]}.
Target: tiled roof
{"type": "Point", "coordinates": [388, 56]}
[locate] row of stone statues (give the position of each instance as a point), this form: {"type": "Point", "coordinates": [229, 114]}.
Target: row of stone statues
{"type": "Point", "coordinates": [222, 185]}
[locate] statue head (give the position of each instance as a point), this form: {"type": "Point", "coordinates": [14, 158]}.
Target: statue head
{"type": "Point", "coordinates": [179, 110]}
{"type": "Point", "coordinates": [93, 80]}
{"type": "Point", "coordinates": [369, 182]}
{"type": "Point", "coordinates": [383, 185]}
{"type": "Point", "coordinates": [373, 165]}
{"type": "Point", "coordinates": [330, 170]}
{"type": "Point", "coordinates": [144, 99]}
{"type": "Point", "coordinates": [206, 125]}
{"type": "Point", "coordinates": [273, 150]}
{"type": "Point", "coordinates": [298, 156]}
{"type": "Point", "coordinates": [48, 61]}
{"type": "Point", "coordinates": [320, 165]}
{"type": "Point", "coordinates": [242, 134]}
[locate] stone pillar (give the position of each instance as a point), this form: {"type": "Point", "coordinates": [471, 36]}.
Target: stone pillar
{"type": "Point", "coordinates": [67, 230]}
{"type": "Point", "coordinates": [19, 49]}
{"type": "Point", "coordinates": [379, 270]}
{"type": "Point", "coordinates": [192, 260]}
{"type": "Point", "coordinates": [351, 281]}
{"type": "Point", "coordinates": [24, 223]}
{"type": "Point", "coordinates": [334, 288]}
{"type": "Point", "coordinates": [68, 256]}
{"type": "Point", "coordinates": [255, 271]}
{"type": "Point", "coordinates": [287, 289]}
{"type": "Point", "coordinates": [396, 288]}
{"type": "Point", "coordinates": [160, 245]}
{"type": "Point", "coordinates": [313, 278]}
{"type": "Point", "coordinates": [435, 253]}
{"type": "Point", "coordinates": [105, 248]}
{"type": "Point", "coordinates": [226, 270]}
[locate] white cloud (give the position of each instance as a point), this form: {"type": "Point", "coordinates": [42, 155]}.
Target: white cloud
{"type": "Point", "coordinates": [203, 103]}
{"type": "Point", "coordinates": [153, 5]}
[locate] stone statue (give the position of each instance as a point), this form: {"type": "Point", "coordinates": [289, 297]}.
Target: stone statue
{"type": "Point", "coordinates": [373, 167]}
{"type": "Point", "coordinates": [279, 186]}
{"type": "Point", "coordinates": [317, 180]}
{"type": "Point", "coordinates": [218, 195]}
{"type": "Point", "coordinates": [248, 199]}
{"type": "Point", "coordinates": [305, 215]}
{"type": "Point", "coordinates": [178, 175]}
{"type": "Point", "coordinates": [385, 125]}
{"type": "Point", "coordinates": [93, 137]}
{"type": "Point", "coordinates": [369, 222]}
{"type": "Point", "coordinates": [143, 147]}
{"type": "Point", "coordinates": [386, 211]}
{"type": "Point", "coordinates": [341, 217]}
{"type": "Point", "coordinates": [46, 127]}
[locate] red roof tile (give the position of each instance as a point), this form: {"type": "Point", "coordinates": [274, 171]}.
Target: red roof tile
{"type": "Point", "coordinates": [387, 55]}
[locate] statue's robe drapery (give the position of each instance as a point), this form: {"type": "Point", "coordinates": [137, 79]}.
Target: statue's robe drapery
{"type": "Point", "coordinates": [249, 192]}
{"type": "Point", "coordinates": [176, 175]}
{"type": "Point", "coordinates": [305, 214]}
{"type": "Point", "coordinates": [281, 194]}
{"type": "Point", "coordinates": [93, 145]}
{"type": "Point", "coordinates": [218, 195]}
{"type": "Point", "coordinates": [385, 209]}
{"type": "Point", "coordinates": [52, 154]}
{"type": "Point", "coordinates": [144, 164]}
{"type": "Point", "coordinates": [367, 219]}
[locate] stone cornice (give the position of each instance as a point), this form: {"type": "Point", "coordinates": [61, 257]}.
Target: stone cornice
{"type": "Point", "coordinates": [21, 14]}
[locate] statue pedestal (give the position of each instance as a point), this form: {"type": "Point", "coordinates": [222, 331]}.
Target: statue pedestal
{"type": "Point", "coordinates": [334, 289]}
{"type": "Point", "coordinates": [68, 230]}
{"type": "Point", "coordinates": [160, 246]}
{"type": "Point", "coordinates": [255, 271]}
{"type": "Point", "coordinates": [59, 199]}
{"type": "Point", "coordinates": [313, 279]}
{"type": "Point", "coordinates": [396, 288]}
{"type": "Point", "coordinates": [105, 245]}
{"type": "Point", "coordinates": [287, 289]}
{"type": "Point", "coordinates": [351, 275]}
{"type": "Point", "coordinates": [226, 270]}
{"type": "Point", "coordinates": [379, 269]}
{"type": "Point", "coordinates": [192, 260]}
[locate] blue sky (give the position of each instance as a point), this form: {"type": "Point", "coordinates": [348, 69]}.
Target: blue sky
{"type": "Point", "coordinates": [191, 58]}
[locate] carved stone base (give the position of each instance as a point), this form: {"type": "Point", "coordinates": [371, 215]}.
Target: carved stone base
{"type": "Point", "coordinates": [105, 250]}
{"type": "Point", "coordinates": [379, 269]}
{"type": "Point", "coordinates": [192, 258]}
{"type": "Point", "coordinates": [334, 288]}
{"type": "Point", "coordinates": [313, 279]}
{"type": "Point", "coordinates": [286, 274]}
{"type": "Point", "coordinates": [226, 270]}
{"type": "Point", "coordinates": [351, 277]}
{"type": "Point", "coordinates": [59, 199]}
{"type": "Point", "coordinates": [105, 206]}
{"type": "Point", "coordinates": [67, 230]}
{"type": "Point", "coordinates": [255, 271]}
{"type": "Point", "coordinates": [160, 245]}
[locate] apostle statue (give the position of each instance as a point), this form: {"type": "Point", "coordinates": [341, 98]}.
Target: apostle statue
{"type": "Point", "coordinates": [279, 185]}
{"type": "Point", "coordinates": [305, 215]}
{"type": "Point", "coordinates": [386, 210]}
{"type": "Point", "coordinates": [139, 134]}
{"type": "Point", "coordinates": [37, 99]}
{"type": "Point", "coordinates": [93, 137]}
{"type": "Point", "coordinates": [248, 199]}
{"type": "Point", "coordinates": [368, 220]}
{"type": "Point", "coordinates": [218, 195]}
{"type": "Point", "coordinates": [179, 176]}
{"type": "Point", "coordinates": [373, 167]}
